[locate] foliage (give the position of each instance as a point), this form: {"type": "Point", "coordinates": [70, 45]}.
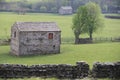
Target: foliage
{"type": "Point", "coordinates": [79, 22]}
{"type": "Point", "coordinates": [54, 10]}
{"type": "Point", "coordinates": [2, 1]}
{"type": "Point", "coordinates": [35, 6]}
{"type": "Point", "coordinates": [86, 20]}
{"type": "Point", "coordinates": [43, 9]}
{"type": "Point", "coordinates": [106, 5]}
{"type": "Point", "coordinates": [93, 22]}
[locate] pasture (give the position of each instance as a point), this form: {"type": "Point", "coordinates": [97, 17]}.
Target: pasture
{"type": "Point", "coordinates": [111, 26]}
{"type": "Point", "coordinates": [70, 53]}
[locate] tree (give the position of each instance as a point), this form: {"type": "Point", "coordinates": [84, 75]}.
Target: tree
{"type": "Point", "coordinates": [58, 4]}
{"type": "Point", "coordinates": [93, 22]}
{"type": "Point", "coordinates": [79, 22]}
{"type": "Point", "coordinates": [54, 10]}
{"type": "Point", "coordinates": [86, 20]}
{"type": "Point", "coordinates": [118, 3]}
{"type": "Point", "coordinates": [43, 9]}
{"type": "Point", "coordinates": [2, 1]}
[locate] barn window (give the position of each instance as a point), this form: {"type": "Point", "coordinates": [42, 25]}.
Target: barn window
{"type": "Point", "coordinates": [50, 36]}
{"type": "Point", "coordinates": [14, 34]}
{"type": "Point", "coordinates": [53, 46]}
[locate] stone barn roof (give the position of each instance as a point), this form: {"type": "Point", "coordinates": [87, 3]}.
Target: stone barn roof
{"type": "Point", "coordinates": [36, 26]}
{"type": "Point", "coordinates": [66, 7]}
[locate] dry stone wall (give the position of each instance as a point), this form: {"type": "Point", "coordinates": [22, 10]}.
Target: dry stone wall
{"type": "Point", "coordinates": [61, 71]}
{"type": "Point", "coordinates": [106, 70]}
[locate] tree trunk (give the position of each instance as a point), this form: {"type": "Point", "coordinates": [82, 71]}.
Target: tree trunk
{"type": "Point", "coordinates": [76, 33]}
{"type": "Point", "coordinates": [90, 36]}
{"type": "Point", "coordinates": [76, 39]}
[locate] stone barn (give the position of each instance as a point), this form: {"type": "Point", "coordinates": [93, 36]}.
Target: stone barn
{"type": "Point", "coordinates": [35, 38]}
{"type": "Point", "coordinates": [65, 10]}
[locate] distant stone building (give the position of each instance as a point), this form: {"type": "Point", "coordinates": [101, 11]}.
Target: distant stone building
{"type": "Point", "coordinates": [65, 10]}
{"type": "Point", "coordinates": [35, 38]}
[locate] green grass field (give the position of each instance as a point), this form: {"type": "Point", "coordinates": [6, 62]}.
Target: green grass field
{"type": "Point", "coordinates": [64, 22]}
{"type": "Point", "coordinates": [70, 53]}
{"type": "Point", "coordinates": [111, 26]}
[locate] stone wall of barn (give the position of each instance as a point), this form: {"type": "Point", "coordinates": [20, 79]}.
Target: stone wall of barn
{"type": "Point", "coordinates": [39, 43]}
{"type": "Point", "coordinates": [65, 11]}
{"type": "Point", "coordinates": [14, 41]}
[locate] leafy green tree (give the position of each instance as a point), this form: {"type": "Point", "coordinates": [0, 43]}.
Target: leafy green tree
{"type": "Point", "coordinates": [54, 10]}
{"type": "Point", "coordinates": [93, 22]}
{"type": "Point", "coordinates": [2, 1]}
{"type": "Point", "coordinates": [43, 9]}
{"type": "Point", "coordinates": [86, 20]}
{"type": "Point", "coordinates": [79, 22]}
{"type": "Point", "coordinates": [118, 3]}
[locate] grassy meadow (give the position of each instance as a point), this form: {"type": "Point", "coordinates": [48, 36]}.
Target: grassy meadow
{"type": "Point", "coordinates": [70, 53]}
{"type": "Point", "coordinates": [111, 26]}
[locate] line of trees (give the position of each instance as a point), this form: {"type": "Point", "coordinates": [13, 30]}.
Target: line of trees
{"type": "Point", "coordinates": [54, 5]}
